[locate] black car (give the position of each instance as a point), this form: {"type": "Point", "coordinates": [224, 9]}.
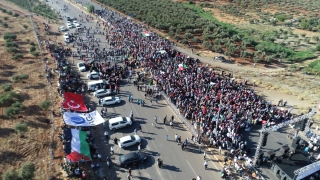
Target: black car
{"type": "Point", "coordinates": [132, 158]}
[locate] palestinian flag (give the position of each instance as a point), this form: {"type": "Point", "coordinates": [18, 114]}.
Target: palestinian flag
{"type": "Point", "coordinates": [145, 34]}
{"type": "Point", "coordinates": [77, 146]}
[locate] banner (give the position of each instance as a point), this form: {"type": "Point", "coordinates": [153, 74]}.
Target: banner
{"type": "Point", "coordinates": [83, 119]}
{"type": "Point", "coordinates": [74, 102]}
{"type": "Point", "coordinates": [76, 146]}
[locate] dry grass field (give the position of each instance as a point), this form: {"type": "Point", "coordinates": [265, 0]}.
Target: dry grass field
{"type": "Point", "coordinates": [34, 145]}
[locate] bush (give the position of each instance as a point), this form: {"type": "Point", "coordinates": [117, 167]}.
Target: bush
{"type": "Point", "coordinates": [184, 41]}
{"type": "Point", "coordinates": [34, 53]}
{"type": "Point", "coordinates": [17, 56]}
{"type": "Point", "coordinates": [15, 14]}
{"type": "Point", "coordinates": [13, 110]}
{"type": "Point", "coordinates": [45, 105]}
{"type": "Point", "coordinates": [6, 18]}
{"type": "Point", "coordinates": [32, 43]}
{"type": "Point", "coordinates": [26, 172]}
{"type": "Point", "coordinates": [26, 27]}
{"type": "Point", "coordinates": [4, 10]}
{"type": "Point", "coordinates": [5, 25]}
{"type": "Point", "coordinates": [9, 12]}
{"type": "Point", "coordinates": [10, 175]}
{"type": "Point", "coordinates": [318, 47]}
{"type": "Point", "coordinates": [32, 49]}
{"type": "Point", "coordinates": [21, 128]}
{"type": "Point", "coordinates": [9, 36]}
{"type": "Point", "coordinates": [90, 8]}
{"type": "Point", "coordinates": [18, 78]}
{"type": "Point", "coordinates": [12, 50]}
{"type": "Point", "coordinates": [28, 40]}
{"type": "Point", "coordinates": [11, 44]}
{"type": "Point", "coordinates": [9, 98]}
{"type": "Point", "coordinates": [7, 87]}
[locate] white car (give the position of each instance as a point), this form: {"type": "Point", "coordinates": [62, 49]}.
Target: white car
{"type": "Point", "coordinates": [110, 100]}
{"type": "Point", "coordinates": [66, 35]}
{"type": "Point", "coordinates": [69, 26]}
{"type": "Point", "coordinates": [82, 67]}
{"type": "Point", "coordinates": [119, 122]}
{"type": "Point", "coordinates": [102, 92]}
{"type": "Point", "coordinates": [62, 28]}
{"type": "Point", "coordinates": [129, 141]}
{"type": "Point", "coordinates": [75, 22]}
{"type": "Point", "coordinates": [93, 75]}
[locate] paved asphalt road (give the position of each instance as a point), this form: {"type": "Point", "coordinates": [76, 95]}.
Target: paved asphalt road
{"type": "Point", "coordinates": [178, 164]}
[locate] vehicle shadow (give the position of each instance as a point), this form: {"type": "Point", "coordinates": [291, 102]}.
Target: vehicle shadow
{"type": "Point", "coordinates": [171, 168]}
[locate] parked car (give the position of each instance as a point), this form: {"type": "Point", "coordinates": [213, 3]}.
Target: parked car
{"type": "Point", "coordinates": [82, 67]}
{"type": "Point", "coordinates": [132, 158]}
{"type": "Point", "coordinates": [119, 122]}
{"type": "Point", "coordinates": [129, 141]}
{"type": "Point", "coordinates": [110, 100]}
{"type": "Point", "coordinates": [66, 35]}
{"type": "Point", "coordinates": [219, 58]}
{"type": "Point", "coordinates": [69, 26]}
{"type": "Point", "coordinates": [102, 92]}
{"type": "Point", "coordinates": [93, 75]}
{"type": "Point", "coordinates": [62, 28]}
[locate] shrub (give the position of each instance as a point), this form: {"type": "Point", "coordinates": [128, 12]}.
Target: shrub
{"type": "Point", "coordinates": [9, 12]}
{"type": "Point", "coordinates": [27, 171]}
{"type": "Point", "coordinates": [7, 87]}
{"type": "Point", "coordinates": [26, 27]}
{"type": "Point", "coordinates": [90, 8]}
{"type": "Point", "coordinates": [21, 128]}
{"type": "Point", "coordinates": [34, 53]}
{"type": "Point", "coordinates": [28, 40]}
{"type": "Point", "coordinates": [45, 105]}
{"type": "Point", "coordinates": [318, 47]}
{"type": "Point", "coordinates": [14, 109]}
{"type": "Point", "coordinates": [9, 36]}
{"type": "Point", "coordinates": [17, 56]}
{"type": "Point", "coordinates": [15, 14]}
{"type": "Point", "coordinates": [6, 18]}
{"type": "Point", "coordinates": [12, 50]}
{"type": "Point", "coordinates": [5, 25]}
{"type": "Point", "coordinates": [4, 10]}
{"type": "Point", "coordinates": [184, 41]}
{"type": "Point", "coordinates": [32, 48]}
{"type": "Point", "coordinates": [10, 175]}
{"type": "Point", "coordinates": [11, 44]}
{"type": "Point", "coordinates": [32, 43]}
{"type": "Point", "coordinates": [18, 78]}
{"type": "Point", "coordinates": [9, 98]}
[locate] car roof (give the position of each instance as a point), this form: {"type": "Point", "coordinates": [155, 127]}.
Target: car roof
{"type": "Point", "coordinates": [100, 90]}
{"type": "Point", "coordinates": [116, 119]}
{"type": "Point", "coordinates": [107, 98]}
{"type": "Point", "coordinates": [130, 155]}
{"type": "Point", "coordinates": [125, 138]}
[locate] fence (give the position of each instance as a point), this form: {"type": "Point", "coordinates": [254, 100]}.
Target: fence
{"type": "Point", "coordinates": [177, 112]}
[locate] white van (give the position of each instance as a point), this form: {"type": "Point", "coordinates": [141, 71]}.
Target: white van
{"type": "Point", "coordinates": [119, 122]}
{"type": "Point", "coordinates": [95, 85]}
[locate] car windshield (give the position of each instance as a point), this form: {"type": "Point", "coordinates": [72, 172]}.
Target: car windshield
{"type": "Point", "coordinates": [81, 65]}
{"type": "Point", "coordinates": [124, 119]}
{"type": "Point", "coordinates": [113, 98]}
{"type": "Point", "coordinates": [133, 138]}
{"type": "Point", "coordinates": [123, 158]}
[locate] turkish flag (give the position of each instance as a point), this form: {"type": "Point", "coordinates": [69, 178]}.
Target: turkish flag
{"type": "Point", "coordinates": [74, 102]}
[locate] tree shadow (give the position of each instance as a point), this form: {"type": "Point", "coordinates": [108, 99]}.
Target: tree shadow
{"type": "Point", "coordinates": [6, 66]}
{"type": "Point", "coordinates": [38, 125]}
{"type": "Point", "coordinates": [28, 62]}
{"type": "Point", "coordinates": [33, 110]}
{"type": "Point", "coordinates": [7, 73]}
{"type": "Point", "coordinates": [37, 86]}
{"type": "Point", "coordinates": [6, 132]}
{"type": "Point", "coordinates": [7, 157]}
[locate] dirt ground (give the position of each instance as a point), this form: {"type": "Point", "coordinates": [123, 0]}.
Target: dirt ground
{"type": "Point", "coordinates": [34, 146]}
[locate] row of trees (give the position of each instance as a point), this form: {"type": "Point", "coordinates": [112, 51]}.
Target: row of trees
{"type": "Point", "coordinates": [26, 172]}
{"type": "Point", "coordinates": [186, 23]}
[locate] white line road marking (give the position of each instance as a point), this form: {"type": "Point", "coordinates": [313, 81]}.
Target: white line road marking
{"type": "Point", "coordinates": [274, 137]}
{"type": "Point", "coordinates": [165, 127]}
{"type": "Point", "coordinates": [191, 168]}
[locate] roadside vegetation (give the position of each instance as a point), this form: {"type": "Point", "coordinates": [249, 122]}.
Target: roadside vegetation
{"type": "Point", "coordinates": [38, 7]}
{"type": "Point", "coordinates": [189, 23]}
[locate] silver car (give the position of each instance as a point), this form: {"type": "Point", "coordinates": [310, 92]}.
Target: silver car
{"type": "Point", "coordinates": [129, 141]}
{"type": "Point", "coordinates": [102, 92]}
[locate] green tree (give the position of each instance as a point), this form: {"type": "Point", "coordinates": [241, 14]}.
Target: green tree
{"type": "Point", "coordinates": [18, 78]}
{"type": "Point", "coordinates": [196, 39]}
{"type": "Point", "coordinates": [26, 172]}
{"type": "Point", "coordinates": [10, 175]}
{"type": "Point", "coordinates": [45, 105]}
{"type": "Point", "coordinates": [90, 8]}
{"type": "Point", "coordinates": [12, 50]}
{"type": "Point", "coordinates": [184, 41]}
{"type": "Point", "coordinates": [15, 109]}
{"type": "Point", "coordinates": [315, 38]}
{"type": "Point", "coordinates": [281, 17]}
{"type": "Point", "coordinates": [9, 36]}
{"type": "Point", "coordinates": [32, 49]}
{"type": "Point", "coordinates": [21, 128]}
{"type": "Point", "coordinates": [318, 47]}
{"type": "Point", "coordinates": [188, 36]}
{"type": "Point", "coordinates": [7, 87]}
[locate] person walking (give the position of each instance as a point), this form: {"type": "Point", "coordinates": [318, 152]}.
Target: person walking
{"type": "Point", "coordinates": [151, 102]}
{"type": "Point", "coordinates": [140, 128]}
{"type": "Point", "coordinates": [135, 131]}
{"type": "Point", "coordinates": [171, 124]}
{"type": "Point", "coordinates": [106, 134]}
{"type": "Point", "coordinates": [111, 150]}
{"type": "Point", "coordinates": [204, 155]}
{"type": "Point", "coordinates": [154, 125]}
{"type": "Point", "coordinates": [219, 150]}
{"type": "Point", "coordinates": [139, 147]}
{"type": "Point", "coordinates": [205, 164]}
{"type": "Point", "coordinates": [99, 156]}
{"type": "Point", "coordinates": [156, 119]}
{"type": "Point", "coordinates": [165, 119]}
{"type": "Point", "coordinates": [129, 171]}
{"type": "Point", "coordinates": [176, 137]}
